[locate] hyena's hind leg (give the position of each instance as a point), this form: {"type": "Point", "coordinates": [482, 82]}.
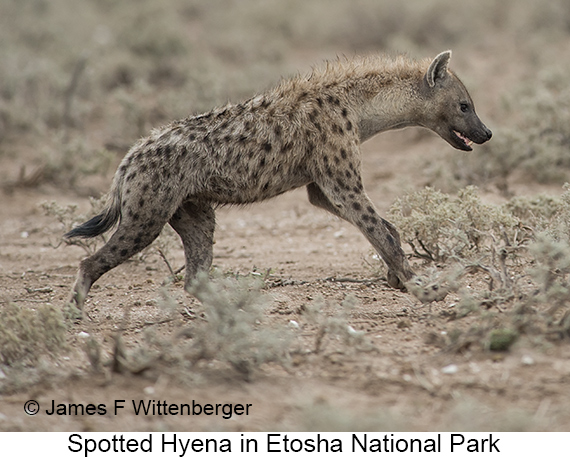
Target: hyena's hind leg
{"type": "Point", "coordinates": [195, 223]}
{"type": "Point", "coordinates": [129, 239]}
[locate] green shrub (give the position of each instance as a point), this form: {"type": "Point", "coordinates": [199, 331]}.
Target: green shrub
{"type": "Point", "coordinates": [551, 271]}
{"type": "Point", "coordinates": [520, 249]}
{"type": "Point", "coordinates": [439, 226]}
{"type": "Point", "coordinates": [232, 330]}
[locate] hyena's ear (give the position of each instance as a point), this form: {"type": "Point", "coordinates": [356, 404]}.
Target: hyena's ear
{"type": "Point", "coordinates": [438, 68]}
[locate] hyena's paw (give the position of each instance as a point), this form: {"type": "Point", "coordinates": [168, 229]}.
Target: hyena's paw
{"type": "Point", "coordinates": [394, 281]}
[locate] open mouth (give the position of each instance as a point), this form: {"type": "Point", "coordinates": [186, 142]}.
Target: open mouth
{"type": "Point", "coordinates": [466, 141]}
{"type": "Point", "coordinates": [460, 141]}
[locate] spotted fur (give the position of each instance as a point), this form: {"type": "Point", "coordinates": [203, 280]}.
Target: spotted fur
{"type": "Point", "coordinates": [306, 131]}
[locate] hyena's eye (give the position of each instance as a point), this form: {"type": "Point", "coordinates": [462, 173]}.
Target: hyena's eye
{"type": "Point", "coordinates": [464, 107]}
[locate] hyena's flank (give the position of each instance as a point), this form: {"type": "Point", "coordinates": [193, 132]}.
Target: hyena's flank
{"type": "Point", "coordinates": [305, 132]}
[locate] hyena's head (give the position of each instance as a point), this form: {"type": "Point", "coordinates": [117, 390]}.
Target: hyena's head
{"type": "Point", "coordinates": [449, 110]}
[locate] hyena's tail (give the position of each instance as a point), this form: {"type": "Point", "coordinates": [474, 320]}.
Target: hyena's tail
{"type": "Point", "coordinates": [102, 222]}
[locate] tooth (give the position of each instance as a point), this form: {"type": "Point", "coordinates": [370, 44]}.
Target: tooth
{"type": "Point", "coordinates": [465, 140]}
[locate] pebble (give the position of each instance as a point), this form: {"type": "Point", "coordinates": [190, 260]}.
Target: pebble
{"type": "Point", "coordinates": [527, 360]}
{"type": "Point", "coordinates": [450, 369]}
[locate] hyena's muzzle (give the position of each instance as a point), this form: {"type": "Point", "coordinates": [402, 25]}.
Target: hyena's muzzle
{"type": "Point", "coordinates": [472, 131]}
{"type": "Point", "coordinates": [464, 129]}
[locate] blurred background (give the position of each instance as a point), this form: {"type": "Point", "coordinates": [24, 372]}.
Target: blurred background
{"type": "Point", "coordinates": [81, 80]}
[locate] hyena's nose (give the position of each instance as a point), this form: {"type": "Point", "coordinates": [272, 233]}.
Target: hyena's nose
{"type": "Point", "coordinates": [483, 134]}
{"type": "Point", "coordinates": [488, 134]}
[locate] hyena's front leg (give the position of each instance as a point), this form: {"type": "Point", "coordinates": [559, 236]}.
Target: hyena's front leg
{"type": "Point", "coordinates": [354, 206]}
{"type": "Point", "coordinates": [195, 223]}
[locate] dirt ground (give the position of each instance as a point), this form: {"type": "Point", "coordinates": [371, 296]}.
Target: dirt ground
{"type": "Point", "coordinates": [401, 382]}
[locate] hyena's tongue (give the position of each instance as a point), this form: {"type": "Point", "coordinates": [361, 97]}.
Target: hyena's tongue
{"type": "Point", "coordinates": [466, 140]}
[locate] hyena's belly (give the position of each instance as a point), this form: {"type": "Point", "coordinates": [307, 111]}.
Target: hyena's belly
{"type": "Point", "coordinates": [237, 190]}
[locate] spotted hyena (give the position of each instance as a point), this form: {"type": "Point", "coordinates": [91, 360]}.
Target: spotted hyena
{"type": "Point", "coordinates": [306, 131]}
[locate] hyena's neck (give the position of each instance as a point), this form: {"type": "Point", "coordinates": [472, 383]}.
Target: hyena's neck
{"type": "Point", "coordinates": [396, 104]}
{"type": "Point", "coordinates": [380, 93]}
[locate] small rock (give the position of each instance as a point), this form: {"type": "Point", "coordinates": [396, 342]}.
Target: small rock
{"type": "Point", "coordinates": [527, 360]}
{"type": "Point", "coordinates": [450, 369]}
{"type": "Point", "coordinates": [404, 323]}
{"type": "Point", "coordinates": [352, 331]}
{"type": "Point", "coordinates": [149, 390]}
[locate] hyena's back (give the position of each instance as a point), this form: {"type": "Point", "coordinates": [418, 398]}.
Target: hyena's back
{"type": "Point", "coordinates": [234, 155]}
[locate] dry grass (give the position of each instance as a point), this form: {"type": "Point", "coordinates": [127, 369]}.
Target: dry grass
{"type": "Point", "coordinates": [526, 269]}
{"type": "Point", "coordinates": [232, 331]}
{"type": "Point", "coordinates": [26, 335]}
